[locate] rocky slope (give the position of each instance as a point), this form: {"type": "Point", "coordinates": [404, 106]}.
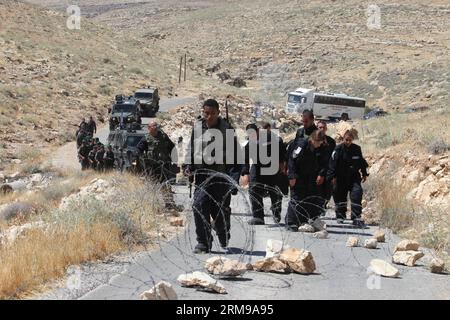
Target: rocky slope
{"type": "Point", "coordinates": [51, 76]}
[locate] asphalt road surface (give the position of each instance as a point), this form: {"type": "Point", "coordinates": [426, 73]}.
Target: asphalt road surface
{"type": "Point", "coordinates": [342, 272]}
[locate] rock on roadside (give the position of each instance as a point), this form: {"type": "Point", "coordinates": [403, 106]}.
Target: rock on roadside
{"type": "Point", "coordinates": [407, 245]}
{"type": "Point", "coordinates": [271, 265]}
{"type": "Point", "coordinates": [407, 258]}
{"type": "Point", "coordinates": [161, 291]}
{"type": "Point", "coordinates": [380, 235]}
{"type": "Point", "coordinates": [383, 268]}
{"type": "Point", "coordinates": [201, 279]}
{"type": "Point", "coordinates": [370, 243]}
{"type": "Point", "coordinates": [352, 242]}
{"type": "Point", "coordinates": [299, 260]}
{"type": "Point", "coordinates": [225, 267]}
{"type": "Point", "coordinates": [437, 266]}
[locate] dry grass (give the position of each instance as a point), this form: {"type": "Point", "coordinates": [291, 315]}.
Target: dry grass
{"type": "Point", "coordinates": [42, 256]}
{"type": "Point", "coordinates": [88, 229]}
{"type": "Point", "coordinates": [430, 226]}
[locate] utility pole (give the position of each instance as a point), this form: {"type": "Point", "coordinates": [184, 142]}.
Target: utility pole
{"type": "Point", "coordinates": [185, 64]}
{"type": "Point", "coordinates": [181, 66]}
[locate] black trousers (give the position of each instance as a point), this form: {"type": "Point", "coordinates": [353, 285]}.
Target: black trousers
{"type": "Point", "coordinates": [257, 191]}
{"type": "Point", "coordinates": [209, 205]}
{"type": "Point", "coordinates": [325, 190]}
{"type": "Point", "coordinates": [341, 191]}
{"type": "Point", "coordinates": [305, 203]}
{"type": "Point", "coordinates": [84, 164]}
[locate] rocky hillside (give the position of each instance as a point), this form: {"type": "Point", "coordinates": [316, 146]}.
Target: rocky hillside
{"type": "Point", "coordinates": [277, 45]}
{"type": "Point", "coordinates": [51, 76]}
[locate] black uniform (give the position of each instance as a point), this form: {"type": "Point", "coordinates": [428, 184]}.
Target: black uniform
{"type": "Point", "coordinates": [109, 160]}
{"type": "Point", "coordinates": [99, 159]}
{"type": "Point", "coordinates": [304, 133]}
{"type": "Point", "coordinates": [83, 153]}
{"type": "Point", "coordinates": [212, 187]}
{"type": "Point", "coordinates": [326, 188]}
{"type": "Point", "coordinates": [156, 155]}
{"type": "Point", "coordinates": [346, 165]}
{"type": "Point", "coordinates": [91, 158]}
{"type": "Point", "coordinates": [91, 127]}
{"type": "Point", "coordinates": [305, 164]}
{"type": "Point", "coordinates": [261, 184]}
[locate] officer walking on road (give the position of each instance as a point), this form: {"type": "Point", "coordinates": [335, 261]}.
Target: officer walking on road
{"type": "Point", "coordinates": [91, 126]}
{"type": "Point", "coordinates": [83, 153]}
{"type": "Point", "coordinates": [305, 163]}
{"type": "Point", "coordinates": [325, 186]}
{"type": "Point", "coordinates": [347, 170]}
{"type": "Point", "coordinates": [210, 167]}
{"type": "Point", "coordinates": [260, 182]}
{"type": "Point", "coordinates": [156, 149]}
{"type": "Point", "coordinates": [109, 158]}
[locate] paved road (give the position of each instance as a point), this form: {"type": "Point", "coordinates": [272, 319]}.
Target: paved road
{"type": "Point", "coordinates": [66, 156]}
{"type": "Point", "coordinates": [341, 271]}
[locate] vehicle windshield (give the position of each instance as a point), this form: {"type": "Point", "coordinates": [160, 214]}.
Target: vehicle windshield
{"type": "Point", "coordinates": [143, 95]}
{"type": "Point", "coordinates": [294, 99]}
{"type": "Point", "coordinates": [124, 108]}
{"type": "Point", "coordinates": [132, 141]}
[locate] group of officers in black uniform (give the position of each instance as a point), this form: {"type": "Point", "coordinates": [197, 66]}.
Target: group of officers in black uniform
{"type": "Point", "coordinates": [311, 166]}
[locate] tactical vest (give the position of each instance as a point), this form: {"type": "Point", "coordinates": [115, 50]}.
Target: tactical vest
{"type": "Point", "coordinates": [201, 126]}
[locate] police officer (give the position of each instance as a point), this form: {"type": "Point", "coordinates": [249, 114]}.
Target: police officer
{"type": "Point", "coordinates": [308, 125]}
{"type": "Point", "coordinates": [83, 153]}
{"type": "Point", "coordinates": [109, 158]}
{"type": "Point", "coordinates": [325, 187]}
{"type": "Point", "coordinates": [263, 182]}
{"type": "Point", "coordinates": [207, 160]}
{"type": "Point", "coordinates": [91, 157]}
{"type": "Point", "coordinates": [305, 163]}
{"type": "Point", "coordinates": [82, 132]}
{"type": "Point", "coordinates": [157, 149]}
{"type": "Point", "coordinates": [347, 170]}
{"type": "Point", "coordinates": [99, 158]}
{"type": "Point", "coordinates": [91, 126]}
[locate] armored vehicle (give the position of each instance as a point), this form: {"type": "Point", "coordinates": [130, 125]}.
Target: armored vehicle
{"type": "Point", "coordinates": [124, 144]}
{"type": "Point", "coordinates": [149, 101]}
{"type": "Point", "coordinates": [125, 111]}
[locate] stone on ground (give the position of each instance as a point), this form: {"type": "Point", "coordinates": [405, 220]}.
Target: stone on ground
{"type": "Point", "coordinates": [407, 258]}
{"type": "Point", "coordinates": [271, 265]}
{"type": "Point", "coordinates": [370, 243]}
{"type": "Point", "coordinates": [225, 267]}
{"type": "Point", "coordinates": [274, 247]}
{"type": "Point", "coordinates": [161, 291]}
{"type": "Point", "coordinates": [306, 228]}
{"type": "Point", "coordinates": [299, 260]}
{"type": "Point", "coordinates": [383, 268]}
{"type": "Point", "coordinates": [380, 235]}
{"type": "Point", "coordinates": [352, 242]}
{"type": "Point", "coordinates": [202, 280]}
{"type": "Point", "coordinates": [437, 266]}
{"type": "Point", "coordinates": [407, 245]}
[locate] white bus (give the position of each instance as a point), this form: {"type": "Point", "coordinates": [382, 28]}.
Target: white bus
{"type": "Point", "coordinates": [325, 105]}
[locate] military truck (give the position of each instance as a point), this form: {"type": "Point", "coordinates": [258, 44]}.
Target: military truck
{"type": "Point", "coordinates": [124, 144]}
{"type": "Point", "coordinates": [149, 101]}
{"type": "Point", "coordinates": [125, 111]}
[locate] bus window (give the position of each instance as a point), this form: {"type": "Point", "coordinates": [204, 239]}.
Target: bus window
{"type": "Point", "coordinates": [294, 99]}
